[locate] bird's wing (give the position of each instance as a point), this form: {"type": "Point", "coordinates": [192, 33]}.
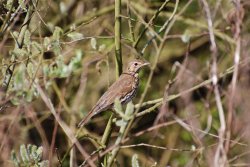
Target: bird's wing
{"type": "Point", "coordinates": [118, 89]}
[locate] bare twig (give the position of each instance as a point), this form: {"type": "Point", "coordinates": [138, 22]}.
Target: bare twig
{"type": "Point", "coordinates": [220, 157]}
{"type": "Point", "coordinates": [65, 128]}
{"type": "Point", "coordinates": [237, 37]}
{"type": "Point", "coordinates": [150, 22]}
{"type": "Point", "coordinates": [159, 50]}
{"type": "Point", "coordinates": [118, 34]}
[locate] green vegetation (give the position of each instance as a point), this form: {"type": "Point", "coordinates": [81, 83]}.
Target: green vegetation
{"type": "Point", "coordinates": [59, 56]}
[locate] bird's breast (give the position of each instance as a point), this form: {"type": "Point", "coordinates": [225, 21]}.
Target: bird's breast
{"type": "Point", "coordinates": [130, 95]}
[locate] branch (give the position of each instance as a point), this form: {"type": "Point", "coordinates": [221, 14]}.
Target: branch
{"type": "Point", "coordinates": [118, 50]}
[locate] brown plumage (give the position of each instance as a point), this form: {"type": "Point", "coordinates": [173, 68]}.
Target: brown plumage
{"type": "Point", "coordinates": [124, 89]}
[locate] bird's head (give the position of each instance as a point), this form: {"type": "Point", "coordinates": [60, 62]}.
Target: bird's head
{"type": "Point", "coordinates": [135, 65]}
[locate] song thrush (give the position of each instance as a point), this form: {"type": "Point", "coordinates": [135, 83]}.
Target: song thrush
{"type": "Point", "coordinates": [124, 89]}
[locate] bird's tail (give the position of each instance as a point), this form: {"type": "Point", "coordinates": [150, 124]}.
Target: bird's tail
{"type": "Point", "coordinates": [87, 118]}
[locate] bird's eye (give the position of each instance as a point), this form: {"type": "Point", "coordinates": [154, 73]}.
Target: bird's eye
{"type": "Point", "coordinates": [136, 64]}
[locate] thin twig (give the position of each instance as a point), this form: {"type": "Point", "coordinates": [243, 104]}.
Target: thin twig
{"type": "Point", "coordinates": [220, 157]}
{"type": "Point", "coordinates": [237, 37]}
{"type": "Point", "coordinates": [65, 127]}
{"type": "Point", "coordinates": [118, 34]}
{"type": "Point", "coordinates": [158, 11]}
{"type": "Point", "coordinates": [131, 27]}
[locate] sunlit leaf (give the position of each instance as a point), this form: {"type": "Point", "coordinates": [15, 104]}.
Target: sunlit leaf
{"type": "Point", "coordinates": [24, 154]}
{"type": "Point", "coordinates": [118, 105]}
{"type": "Point", "coordinates": [57, 33]}
{"type": "Point", "coordinates": [75, 35]}
{"type": "Point", "coordinates": [93, 43]}
{"type": "Point", "coordinates": [135, 162]}
{"type": "Point", "coordinates": [15, 159]}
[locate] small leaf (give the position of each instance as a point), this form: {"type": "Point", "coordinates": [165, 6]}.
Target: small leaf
{"type": "Point", "coordinates": [19, 78]}
{"type": "Point", "coordinates": [46, 70]}
{"type": "Point", "coordinates": [9, 4]}
{"type": "Point", "coordinates": [15, 34]}
{"type": "Point", "coordinates": [135, 162]}
{"type": "Point", "coordinates": [15, 159]}
{"type": "Point", "coordinates": [186, 36]}
{"type": "Point", "coordinates": [57, 33]}
{"type": "Point", "coordinates": [39, 152]}
{"type": "Point", "coordinates": [121, 123]}
{"type": "Point", "coordinates": [31, 157]}
{"type": "Point", "coordinates": [15, 101]}
{"type": "Point", "coordinates": [43, 164]}
{"type": "Point", "coordinates": [24, 154]}
{"type": "Point", "coordinates": [102, 47]}
{"type": "Point", "coordinates": [36, 47]}
{"type": "Point", "coordinates": [63, 7]}
{"type": "Point", "coordinates": [22, 4]}
{"type": "Point", "coordinates": [29, 149]}
{"type": "Point", "coordinates": [130, 109]}
{"type": "Point", "coordinates": [27, 38]}
{"type": "Point", "coordinates": [30, 69]}
{"type": "Point", "coordinates": [118, 105]}
{"type": "Point", "coordinates": [75, 35]}
{"type": "Point", "coordinates": [20, 52]}
{"type": "Point", "coordinates": [93, 43]}
{"type": "Point", "coordinates": [29, 95]}
{"type": "Point", "coordinates": [76, 61]}
{"type": "Point", "coordinates": [46, 43]}
{"type": "Point", "coordinates": [34, 154]}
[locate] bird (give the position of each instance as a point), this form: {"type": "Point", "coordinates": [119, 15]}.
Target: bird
{"type": "Point", "coordinates": [124, 89]}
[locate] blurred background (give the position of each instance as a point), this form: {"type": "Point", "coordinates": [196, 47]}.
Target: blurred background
{"type": "Point", "coordinates": [58, 57]}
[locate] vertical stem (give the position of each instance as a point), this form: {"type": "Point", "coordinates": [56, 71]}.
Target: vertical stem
{"type": "Point", "coordinates": [129, 111]}
{"type": "Point", "coordinates": [118, 53]}
{"type": "Point", "coordinates": [237, 56]}
{"type": "Point", "coordinates": [220, 158]}
{"type": "Point", "coordinates": [131, 27]}
{"type": "Point", "coordinates": [105, 140]}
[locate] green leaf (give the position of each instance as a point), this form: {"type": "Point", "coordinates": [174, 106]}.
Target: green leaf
{"type": "Point", "coordinates": [24, 154]}
{"type": "Point", "coordinates": [118, 105]}
{"type": "Point", "coordinates": [135, 162]}
{"type": "Point", "coordinates": [46, 43]}
{"type": "Point", "coordinates": [33, 154]}
{"type": "Point", "coordinates": [57, 33]}
{"type": "Point", "coordinates": [27, 38]}
{"type": "Point", "coordinates": [121, 123]}
{"type": "Point", "coordinates": [15, 159]}
{"type": "Point", "coordinates": [44, 164]}
{"type": "Point", "coordinates": [76, 62]}
{"type": "Point", "coordinates": [75, 35]}
{"type": "Point", "coordinates": [63, 7]}
{"type": "Point", "coordinates": [20, 52]}
{"type": "Point", "coordinates": [185, 38]}
{"type": "Point", "coordinates": [30, 69]}
{"type": "Point", "coordinates": [15, 34]}
{"type": "Point", "coordinates": [31, 157]}
{"type": "Point", "coordinates": [39, 153]}
{"type": "Point", "coordinates": [29, 95]}
{"type": "Point", "coordinates": [19, 78]}
{"type": "Point", "coordinates": [22, 4]}
{"type": "Point", "coordinates": [15, 101]}
{"type": "Point", "coordinates": [9, 4]}
{"type": "Point", "coordinates": [93, 43]}
{"type": "Point", "coordinates": [130, 109]}
{"type": "Point", "coordinates": [102, 47]}
{"type": "Point", "coordinates": [36, 47]}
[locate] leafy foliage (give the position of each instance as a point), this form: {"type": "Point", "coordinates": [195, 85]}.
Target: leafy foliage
{"type": "Point", "coordinates": [29, 156]}
{"type": "Point", "coordinates": [58, 57]}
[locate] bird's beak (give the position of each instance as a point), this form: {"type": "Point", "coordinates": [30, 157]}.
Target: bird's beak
{"type": "Point", "coordinates": [146, 64]}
